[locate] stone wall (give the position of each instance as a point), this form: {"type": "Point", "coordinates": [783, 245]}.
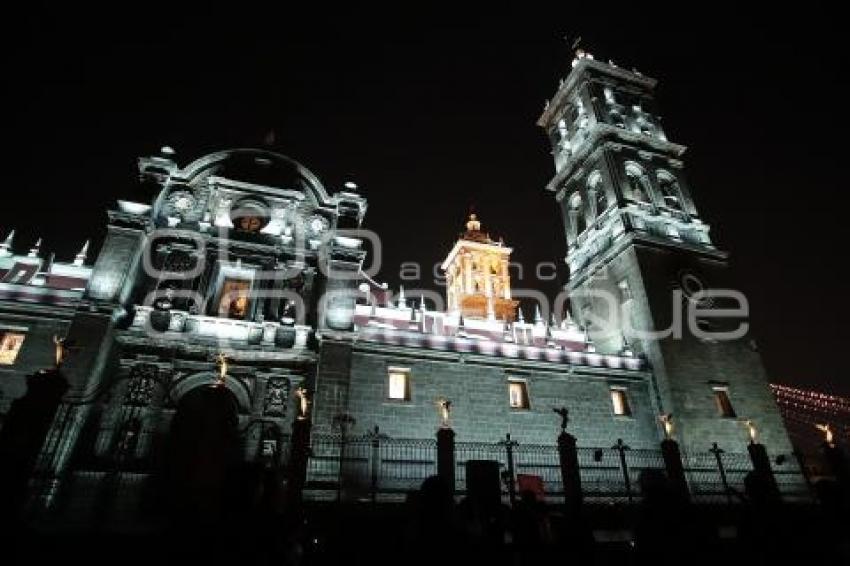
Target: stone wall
{"type": "Point", "coordinates": [478, 389]}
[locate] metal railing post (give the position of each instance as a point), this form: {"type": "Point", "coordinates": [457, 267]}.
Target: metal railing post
{"type": "Point", "coordinates": [621, 448]}
{"type": "Point", "coordinates": [511, 475]}
{"type": "Point", "coordinates": [717, 451]}
{"type": "Point", "coordinates": [343, 420]}
{"type": "Point", "coordinates": [376, 437]}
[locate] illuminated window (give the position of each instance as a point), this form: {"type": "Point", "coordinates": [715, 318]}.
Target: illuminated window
{"type": "Point", "coordinates": [518, 394]}
{"type": "Point", "coordinates": [724, 405]}
{"type": "Point", "coordinates": [10, 345]}
{"type": "Point", "coordinates": [620, 402]}
{"type": "Point", "coordinates": [234, 298]}
{"type": "Point", "coordinates": [399, 384]}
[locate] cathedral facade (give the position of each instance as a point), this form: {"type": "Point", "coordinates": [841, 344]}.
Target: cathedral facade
{"type": "Point", "coordinates": [235, 302]}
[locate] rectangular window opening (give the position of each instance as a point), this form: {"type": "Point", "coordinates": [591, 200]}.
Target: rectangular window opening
{"type": "Point", "coordinates": [620, 402]}
{"type": "Point", "coordinates": [724, 405]}
{"type": "Point", "coordinates": [518, 395]}
{"type": "Point", "coordinates": [10, 346]}
{"type": "Point", "coordinates": [399, 384]}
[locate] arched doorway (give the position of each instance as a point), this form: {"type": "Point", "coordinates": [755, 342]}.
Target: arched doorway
{"type": "Point", "coordinates": [203, 452]}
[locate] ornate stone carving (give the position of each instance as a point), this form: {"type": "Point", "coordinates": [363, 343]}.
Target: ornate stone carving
{"type": "Point", "coordinates": [277, 393]}
{"type": "Point", "coordinates": [141, 384]}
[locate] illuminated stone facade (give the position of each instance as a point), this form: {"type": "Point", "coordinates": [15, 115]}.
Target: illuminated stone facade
{"type": "Point", "coordinates": [244, 254]}
{"type": "Point", "coordinates": [634, 233]}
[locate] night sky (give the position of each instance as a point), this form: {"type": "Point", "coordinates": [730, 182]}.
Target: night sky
{"type": "Point", "coordinates": [433, 112]}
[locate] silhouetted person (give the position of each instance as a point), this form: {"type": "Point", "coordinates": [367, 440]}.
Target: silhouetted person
{"type": "Point", "coordinates": [432, 532]}
{"type": "Point", "coordinates": [666, 525]}
{"type": "Point", "coordinates": [832, 537]}
{"type": "Point", "coordinates": [760, 531]}
{"type": "Point", "coordinates": [530, 528]}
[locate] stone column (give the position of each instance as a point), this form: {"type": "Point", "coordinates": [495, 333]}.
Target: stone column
{"type": "Point", "coordinates": [675, 470]}
{"type": "Point", "coordinates": [446, 456]}
{"type": "Point", "coordinates": [298, 460]}
{"type": "Point", "coordinates": [570, 472]}
{"type": "Point", "coordinates": [762, 469]}
{"type": "Point", "coordinates": [839, 467]}
{"type": "Point", "coordinates": [340, 266]}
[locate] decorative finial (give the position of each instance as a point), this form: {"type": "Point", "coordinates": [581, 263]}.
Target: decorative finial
{"type": "Point", "coordinates": [520, 317]}
{"type": "Point", "coordinates": [60, 350]}
{"type": "Point", "coordinates": [589, 346]}
{"type": "Point", "coordinates": [445, 406]}
{"type": "Point", "coordinates": [35, 249]}
{"type": "Point", "coordinates": [626, 350]}
{"type": "Point", "coordinates": [81, 255]}
{"type": "Point", "coordinates": [552, 322]}
{"type": "Point", "coordinates": [402, 302]}
{"type": "Point", "coordinates": [422, 303]}
{"type": "Point", "coordinates": [508, 334]}
{"type": "Point", "coordinates": [827, 433]}
{"type": "Point", "coordinates": [538, 318]}
{"type": "Point", "coordinates": [567, 320]}
{"type": "Point", "coordinates": [6, 246]}
{"type": "Point", "coordinates": [667, 422]}
{"type": "Point", "coordinates": [461, 328]}
{"type": "Point", "coordinates": [303, 403]}
{"type": "Point", "coordinates": [550, 339]}
{"type": "Point", "coordinates": [751, 430]}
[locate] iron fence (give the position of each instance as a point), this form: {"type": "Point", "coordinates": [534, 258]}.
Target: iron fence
{"type": "Point", "coordinates": [364, 466]}
{"type": "Point", "coordinates": [373, 465]}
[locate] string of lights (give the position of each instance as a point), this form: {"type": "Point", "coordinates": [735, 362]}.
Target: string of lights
{"type": "Point", "coordinates": [809, 413]}
{"type": "Point", "coordinates": [811, 400]}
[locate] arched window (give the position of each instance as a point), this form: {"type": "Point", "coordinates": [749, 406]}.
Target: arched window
{"type": "Point", "coordinates": [577, 214]}
{"type": "Point", "coordinates": [594, 184]}
{"type": "Point", "coordinates": [637, 183]}
{"type": "Point", "coordinates": [669, 191]}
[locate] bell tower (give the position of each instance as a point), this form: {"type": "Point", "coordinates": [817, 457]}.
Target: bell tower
{"type": "Point", "coordinates": [643, 268]}
{"type": "Point", "coordinates": [478, 282]}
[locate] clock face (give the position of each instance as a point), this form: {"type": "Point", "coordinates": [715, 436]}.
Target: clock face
{"type": "Point", "coordinates": [316, 225]}
{"type": "Point", "coordinates": [181, 201]}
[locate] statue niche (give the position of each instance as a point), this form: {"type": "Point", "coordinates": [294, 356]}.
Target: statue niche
{"type": "Point", "coordinates": [277, 393]}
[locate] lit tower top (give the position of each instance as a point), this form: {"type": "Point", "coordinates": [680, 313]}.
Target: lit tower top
{"type": "Point", "coordinates": [478, 283]}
